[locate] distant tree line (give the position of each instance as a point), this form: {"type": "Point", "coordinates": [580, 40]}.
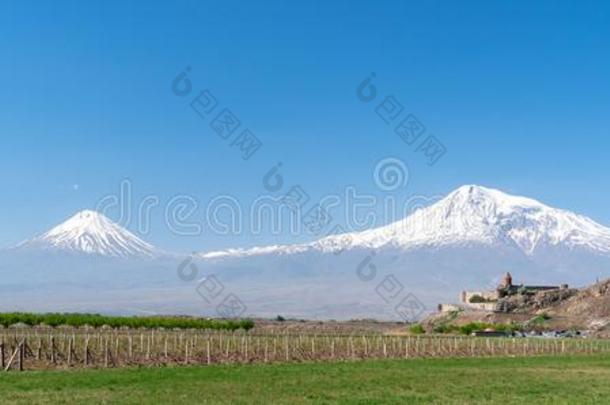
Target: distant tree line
{"type": "Point", "coordinates": [96, 321]}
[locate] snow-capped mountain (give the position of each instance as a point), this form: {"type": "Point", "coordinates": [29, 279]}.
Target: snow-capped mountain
{"type": "Point", "coordinates": [467, 240]}
{"type": "Point", "coordinates": [469, 216]}
{"type": "Point", "coordinates": [89, 232]}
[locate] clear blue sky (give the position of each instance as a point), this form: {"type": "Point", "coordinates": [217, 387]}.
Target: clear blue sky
{"type": "Point", "coordinates": [519, 93]}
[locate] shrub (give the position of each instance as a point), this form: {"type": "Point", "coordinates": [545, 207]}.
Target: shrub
{"type": "Point", "coordinates": [446, 328]}
{"type": "Point", "coordinates": [477, 299]}
{"type": "Point", "coordinates": [540, 319]}
{"type": "Point", "coordinates": [417, 329]}
{"type": "Point", "coordinates": [481, 326]}
{"type": "Point", "coordinates": [472, 327]}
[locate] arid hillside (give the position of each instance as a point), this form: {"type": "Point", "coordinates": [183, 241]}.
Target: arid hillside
{"type": "Point", "coordinates": [586, 309]}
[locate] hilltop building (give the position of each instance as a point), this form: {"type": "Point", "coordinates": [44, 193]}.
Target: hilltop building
{"type": "Point", "coordinates": [489, 300]}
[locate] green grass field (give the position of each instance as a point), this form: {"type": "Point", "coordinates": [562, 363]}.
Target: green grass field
{"type": "Point", "coordinates": [548, 380]}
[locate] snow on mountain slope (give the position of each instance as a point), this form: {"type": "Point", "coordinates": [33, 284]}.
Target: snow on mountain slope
{"type": "Point", "coordinates": [90, 232]}
{"type": "Point", "coordinates": [464, 241]}
{"type": "Point", "coordinates": [255, 251]}
{"type": "Point", "coordinates": [474, 214]}
{"type": "Point", "coordinates": [470, 215]}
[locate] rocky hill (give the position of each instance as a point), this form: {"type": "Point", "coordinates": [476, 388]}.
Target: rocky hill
{"type": "Point", "coordinates": [586, 309]}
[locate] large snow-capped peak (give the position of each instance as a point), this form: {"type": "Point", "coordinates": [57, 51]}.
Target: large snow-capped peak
{"type": "Point", "coordinates": [90, 232]}
{"type": "Point", "coordinates": [475, 214]}
{"type": "Point", "coordinates": [470, 215]}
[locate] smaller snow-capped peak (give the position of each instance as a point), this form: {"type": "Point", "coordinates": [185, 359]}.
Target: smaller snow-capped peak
{"type": "Point", "coordinates": [90, 232]}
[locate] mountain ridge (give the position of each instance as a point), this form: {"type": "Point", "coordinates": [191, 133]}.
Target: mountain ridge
{"type": "Point", "coordinates": [464, 241]}
{"type": "Point", "coordinates": [470, 214]}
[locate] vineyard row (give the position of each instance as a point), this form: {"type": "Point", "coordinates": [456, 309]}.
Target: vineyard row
{"type": "Point", "coordinates": [35, 350]}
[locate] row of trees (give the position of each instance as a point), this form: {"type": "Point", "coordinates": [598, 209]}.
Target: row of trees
{"type": "Point", "coordinates": [96, 320]}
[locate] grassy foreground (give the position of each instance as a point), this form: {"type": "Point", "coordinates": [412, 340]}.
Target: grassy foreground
{"type": "Point", "coordinates": [559, 380]}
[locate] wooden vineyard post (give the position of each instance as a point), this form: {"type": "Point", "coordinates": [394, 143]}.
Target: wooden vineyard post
{"type": "Point", "coordinates": [117, 350]}
{"type": "Point", "coordinates": [266, 350]}
{"type": "Point", "coordinates": [165, 348]}
{"type": "Point", "coordinates": [106, 353]}
{"type": "Point", "coordinates": [2, 360]}
{"type": "Point", "coordinates": [12, 359]}
{"type": "Point", "coordinates": [39, 350]}
{"type": "Point", "coordinates": [227, 349]}
{"type": "Point", "coordinates": [313, 348]}
{"type": "Point", "coordinates": [70, 349]}
{"type": "Point", "coordinates": [130, 350]}
{"type": "Point", "coordinates": [86, 353]}
{"type": "Point", "coordinates": [246, 339]}
{"type": "Point", "coordinates": [209, 360]}
{"type": "Point", "coordinates": [21, 354]}
{"type": "Point", "coordinates": [147, 347]}
{"type": "Point", "coordinates": [186, 351]}
{"type": "Point", "coordinates": [52, 347]}
{"type": "Point", "coordinates": [257, 347]}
